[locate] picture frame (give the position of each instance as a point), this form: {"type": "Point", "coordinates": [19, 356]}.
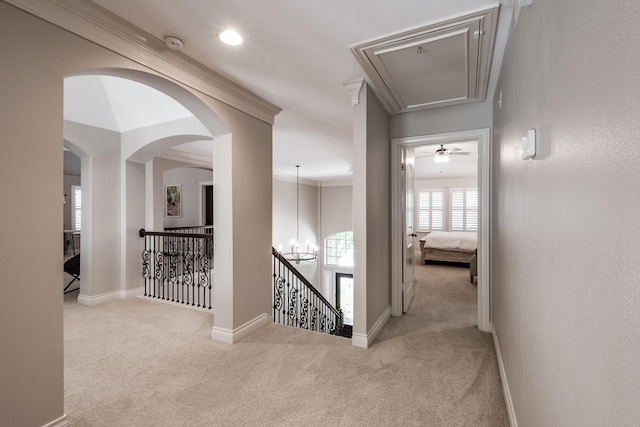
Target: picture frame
{"type": "Point", "coordinates": [173, 201]}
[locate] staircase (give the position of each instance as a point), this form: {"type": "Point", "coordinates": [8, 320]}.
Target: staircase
{"type": "Point", "coordinates": [297, 303]}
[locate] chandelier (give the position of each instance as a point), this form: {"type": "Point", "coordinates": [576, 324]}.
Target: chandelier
{"type": "Point", "coordinates": [296, 253]}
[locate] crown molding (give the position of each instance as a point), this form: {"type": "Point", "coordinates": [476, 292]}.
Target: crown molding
{"type": "Point", "coordinates": [287, 178]}
{"type": "Point", "coordinates": [354, 87]}
{"type": "Point", "coordinates": [190, 158]}
{"type": "Point", "coordinates": [96, 24]}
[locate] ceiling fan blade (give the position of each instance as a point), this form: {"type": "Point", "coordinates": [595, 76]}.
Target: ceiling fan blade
{"type": "Point", "coordinates": [460, 153]}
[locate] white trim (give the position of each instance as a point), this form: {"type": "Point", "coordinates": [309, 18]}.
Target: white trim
{"type": "Point", "coordinates": [365, 341]}
{"type": "Point", "coordinates": [132, 293]}
{"type": "Point", "coordinates": [238, 334]}
{"type": "Point", "coordinates": [98, 299]}
{"type": "Point", "coordinates": [190, 158]}
{"type": "Point", "coordinates": [511, 413]}
{"type": "Point", "coordinates": [483, 136]}
{"type": "Point", "coordinates": [60, 422]}
{"type": "Point", "coordinates": [92, 22]}
{"type": "Point", "coordinates": [354, 87]}
{"type": "Point", "coordinates": [110, 296]}
{"type": "Point", "coordinates": [203, 185]}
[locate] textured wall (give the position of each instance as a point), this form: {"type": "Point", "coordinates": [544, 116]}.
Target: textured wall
{"type": "Point", "coordinates": [566, 255]}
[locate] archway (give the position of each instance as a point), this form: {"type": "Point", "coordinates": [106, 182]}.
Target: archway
{"type": "Point", "coordinates": [114, 179]}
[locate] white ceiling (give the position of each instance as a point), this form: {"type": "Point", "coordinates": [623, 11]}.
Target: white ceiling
{"type": "Point", "coordinates": [459, 165]}
{"type": "Point", "coordinates": [118, 104]}
{"type": "Point", "coordinates": [295, 54]}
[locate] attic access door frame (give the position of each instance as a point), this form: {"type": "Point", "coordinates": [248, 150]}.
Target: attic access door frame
{"type": "Point", "coordinates": [483, 136]}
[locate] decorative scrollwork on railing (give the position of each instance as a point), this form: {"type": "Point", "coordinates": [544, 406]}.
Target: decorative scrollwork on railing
{"type": "Point", "coordinates": [278, 293]}
{"type": "Point", "coordinates": [146, 260]}
{"type": "Point", "coordinates": [301, 305]}
{"type": "Point", "coordinates": [176, 267]}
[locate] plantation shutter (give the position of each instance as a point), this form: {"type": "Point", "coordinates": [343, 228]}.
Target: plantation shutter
{"type": "Point", "coordinates": [464, 209]}
{"type": "Point", "coordinates": [76, 207]}
{"type": "Point", "coordinates": [430, 210]}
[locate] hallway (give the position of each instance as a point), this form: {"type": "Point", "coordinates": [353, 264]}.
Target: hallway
{"type": "Point", "coordinates": [142, 363]}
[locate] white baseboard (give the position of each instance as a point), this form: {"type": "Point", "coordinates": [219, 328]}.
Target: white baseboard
{"type": "Point", "coordinates": [505, 385]}
{"type": "Point", "coordinates": [110, 296]}
{"type": "Point", "coordinates": [132, 293]}
{"type": "Point", "coordinates": [238, 334]}
{"type": "Point", "coordinates": [60, 422]}
{"type": "Point", "coordinates": [98, 299]}
{"type": "Point", "coordinates": [365, 340]}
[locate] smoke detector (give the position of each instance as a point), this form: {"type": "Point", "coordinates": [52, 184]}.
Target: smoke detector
{"type": "Point", "coordinates": [173, 42]}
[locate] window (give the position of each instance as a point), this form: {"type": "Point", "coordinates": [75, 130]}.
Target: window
{"type": "Point", "coordinates": [338, 249]}
{"type": "Point", "coordinates": [464, 209]}
{"type": "Point", "coordinates": [430, 210]}
{"type": "Point", "coordinates": [76, 208]}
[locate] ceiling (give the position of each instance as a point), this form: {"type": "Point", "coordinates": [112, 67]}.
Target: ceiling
{"type": "Point", "coordinates": [463, 165]}
{"type": "Point", "coordinates": [297, 55]}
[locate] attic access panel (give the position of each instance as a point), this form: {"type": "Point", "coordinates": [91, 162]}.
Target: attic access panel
{"type": "Point", "coordinates": [441, 64]}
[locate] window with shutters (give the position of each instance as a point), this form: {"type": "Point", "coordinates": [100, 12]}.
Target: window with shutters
{"type": "Point", "coordinates": [464, 209]}
{"type": "Point", "coordinates": [76, 208]}
{"type": "Point", "coordinates": [430, 210]}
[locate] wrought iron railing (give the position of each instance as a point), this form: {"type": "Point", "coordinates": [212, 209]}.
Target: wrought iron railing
{"type": "Point", "coordinates": [297, 303]}
{"type": "Point", "coordinates": [198, 229]}
{"type": "Point", "coordinates": [177, 267]}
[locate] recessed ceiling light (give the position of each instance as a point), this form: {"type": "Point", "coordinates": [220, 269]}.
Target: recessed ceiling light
{"type": "Point", "coordinates": [230, 37]}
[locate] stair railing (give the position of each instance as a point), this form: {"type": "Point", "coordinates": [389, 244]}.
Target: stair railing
{"type": "Point", "coordinates": [297, 303]}
{"type": "Point", "coordinates": [177, 267]}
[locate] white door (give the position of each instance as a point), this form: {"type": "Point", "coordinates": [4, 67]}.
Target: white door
{"type": "Point", "coordinates": [408, 232]}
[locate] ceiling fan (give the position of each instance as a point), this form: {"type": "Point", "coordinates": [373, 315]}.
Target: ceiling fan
{"type": "Point", "coordinates": [441, 155]}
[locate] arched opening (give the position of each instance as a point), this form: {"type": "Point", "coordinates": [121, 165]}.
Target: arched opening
{"type": "Point", "coordinates": [129, 127]}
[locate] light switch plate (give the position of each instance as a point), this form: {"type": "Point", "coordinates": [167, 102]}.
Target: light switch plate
{"type": "Point", "coordinates": [529, 145]}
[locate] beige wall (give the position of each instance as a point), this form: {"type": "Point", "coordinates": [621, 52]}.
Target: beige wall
{"type": "Point", "coordinates": [284, 221]}
{"type": "Point", "coordinates": [371, 208]}
{"type": "Point", "coordinates": [566, 255]}
{"type": "Point", "coordinates": [475, 115]}
{"type": "Point", "coordinates": [36, 57]}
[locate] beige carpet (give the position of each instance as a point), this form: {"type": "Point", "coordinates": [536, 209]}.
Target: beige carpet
{"type": "Point", "coordinates": [145, 363]}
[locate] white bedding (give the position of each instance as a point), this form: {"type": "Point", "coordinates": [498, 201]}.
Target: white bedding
{"type": "Point", "coordinates": [451, 240]}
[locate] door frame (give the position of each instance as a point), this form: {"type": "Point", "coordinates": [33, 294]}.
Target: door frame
{"type": "Point", "coordinates": [203, 185]}
{"type": "Point", "coordinates": [483, 136]}
{"type": "Point", "coordinates": [339, 275]}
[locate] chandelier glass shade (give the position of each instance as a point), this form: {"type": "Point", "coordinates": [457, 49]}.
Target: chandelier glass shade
{"type": "Point", "coordinates": [296, 253]}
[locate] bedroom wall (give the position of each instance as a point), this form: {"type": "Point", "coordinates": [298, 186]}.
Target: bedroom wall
{"type": "Point", "coordinates": [446, 184]}
{"type": "Point", "coordinates": [284, 220]}
{"type": "Point", "coordinates": [190, 179]}
{"type": "Point", "coordinates": [566, 229]}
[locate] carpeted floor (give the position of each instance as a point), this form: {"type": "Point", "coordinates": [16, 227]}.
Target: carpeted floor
{"type": "Point", "coordinates": [143, 363]}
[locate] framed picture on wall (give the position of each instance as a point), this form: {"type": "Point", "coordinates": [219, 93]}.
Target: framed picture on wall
{"type": "Point", "coordinates": [173, 195]}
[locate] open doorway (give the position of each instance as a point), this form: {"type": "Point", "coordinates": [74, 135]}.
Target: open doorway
{"type": "Point", "coordinates": [480, 137]}
{"type": "Point", "coordinates": [344, 301]}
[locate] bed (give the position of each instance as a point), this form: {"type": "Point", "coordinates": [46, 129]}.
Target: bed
{"type": "Point", "coordinates": [451, 246]}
